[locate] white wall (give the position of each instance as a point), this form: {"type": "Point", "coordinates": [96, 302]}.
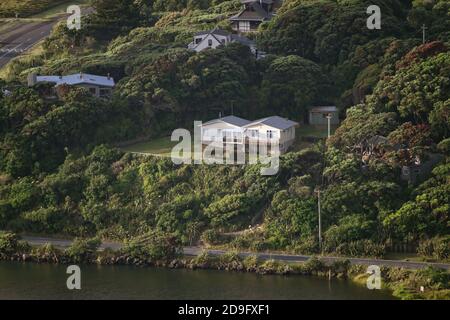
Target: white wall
{"type": "Point", "coordinates": [286, 137]}
{"type": "Point", "coordinates": [204, 44]}
{"type": "Point", "coordinates": [217, 130]}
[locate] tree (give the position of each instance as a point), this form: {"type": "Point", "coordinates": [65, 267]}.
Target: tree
{"type": "Point", "coordinates": [290, 85]}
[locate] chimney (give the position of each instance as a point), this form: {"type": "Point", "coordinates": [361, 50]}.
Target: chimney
{"type": "Point", "coordinates": [109, 76]}
{"type": "Point", "coordinates": [60, 77]}
{"type": "Point", "coordinates": [220, 115]}
{"type": "Point", "coordinates": [81, 75]}
{"type": "Point", "coordinates": [32, 79]}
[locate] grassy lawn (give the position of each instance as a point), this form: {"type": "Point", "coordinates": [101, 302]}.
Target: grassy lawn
{"type": "Point", "coordinates": [306, 130]}
{"type": "Point", "coordinates": [159, 146]}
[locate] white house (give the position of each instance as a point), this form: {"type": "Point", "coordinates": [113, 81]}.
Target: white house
{"type": "Point", "coordinates": [272, 129]}
{"type": "Point", "coordinates": [215, 38]}
{"type": "Point", "coordinates": [98, 86]}
{"type": "Point", "coordinates": [229, 128]}
{"type": "Point", "coordinates": [240, 132]}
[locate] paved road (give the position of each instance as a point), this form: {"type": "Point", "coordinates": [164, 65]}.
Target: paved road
{"type": "Point", "coordinates": [64, 243]}
{"type": "Point", "coordinates": [326, 259]}
{"type": "Point", "coordinates": [15, 41]}
{"type": "Point", "coordinates": [193, 251]}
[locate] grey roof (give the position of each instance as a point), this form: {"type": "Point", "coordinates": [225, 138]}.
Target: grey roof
{"type": "Point", "coordinates": [233, 120]}
{"type": "Point", "coordinates": [216, 31]}
{"type": "Point", "coordinates": [241, 39]}
{"type": "Point", "coordinates": [324, 109]}
{"type": "Point", "coordinates": [275, 122]}
{"type": "Point", "coordinates": [79, 78]}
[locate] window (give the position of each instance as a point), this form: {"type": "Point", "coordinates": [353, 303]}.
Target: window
{"type": "Point", "coordinates": [270, 134]}
{"type": "Point", "coordinates": [198, 40]}
{"type": "Point", "coordinates": [210, 42]}
{"type": "Point", "coordinates": [244, 26]}
{"type": "Point", "coordinates": [104, 92]}
{"type": "Point", "coordinates": [253, 133]}
{"type": "Point", "coordinates": [93, 90]}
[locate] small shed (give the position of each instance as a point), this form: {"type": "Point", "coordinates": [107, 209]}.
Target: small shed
{"type": "Point", "coordinates": [318, 115]}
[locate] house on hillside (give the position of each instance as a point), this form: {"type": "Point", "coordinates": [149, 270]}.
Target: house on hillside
{"type": "Point", "coordinates": [318, 115]}
{"type": "Point", "coordinates": [216, 37]}
{"type": "Point", "coordinates": [219, 130]}
{"type": "Point", "coordinates": [98, 86]}
{"type": "Point", "coordinates": [272, 128]}
{"type": "Point", "coordinates": [235, 131]}
{"type": "Point", "coordinates": [253, 13]}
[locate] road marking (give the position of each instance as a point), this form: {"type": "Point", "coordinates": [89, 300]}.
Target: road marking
{"type": "Point", "coordinates": [10, 51]}
{"type": "Point", "coordinates": [31, 45]}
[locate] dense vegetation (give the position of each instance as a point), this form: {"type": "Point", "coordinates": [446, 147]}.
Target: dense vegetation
{"type": "Point", "coordinates": [59, 176]}
{"type": "Point", "coordinates": [25, 8]}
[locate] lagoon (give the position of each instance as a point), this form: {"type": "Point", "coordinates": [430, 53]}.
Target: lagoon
{"type": "Point", "coordinates": [33, 281]}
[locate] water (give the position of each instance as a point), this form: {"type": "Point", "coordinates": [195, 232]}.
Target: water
{"type": "Point", "coordinates": [44, 281]}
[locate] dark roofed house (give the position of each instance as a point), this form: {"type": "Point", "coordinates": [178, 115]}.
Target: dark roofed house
{"type": "Point", "coordinates": [253, 14]}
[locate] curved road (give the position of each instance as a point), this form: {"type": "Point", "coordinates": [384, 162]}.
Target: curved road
{"type": "Point", "coordinates": [193, 251]}
{"type": "Point", "coordinates": [23, 35]}
{"type": "Point", "coordinates": [17, 40]}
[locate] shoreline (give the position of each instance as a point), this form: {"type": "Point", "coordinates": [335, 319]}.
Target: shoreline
{"type": "Point", "coordinates": [393, 278]}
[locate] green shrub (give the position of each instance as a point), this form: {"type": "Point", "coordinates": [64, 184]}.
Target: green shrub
{"type": "Point", "coordinates": [435, 248]}
{"type": "Point", "coordinates": [272, 266]}
{"type": "Point", "coordinates": [47, 251]}
{"type": "Point", "coordinates": [309, 245]}
{"type": "Point", "coordinates": [314, 266]}
{"type": "Point", "coordinates": [10, 244]}
{"type": "Point", "coordinates": [154, 246]}
{"type": "Point", "coordinates": [361, 248]}
{"type": "Point", "coordinates": [251, 263]}
{"type": "Point", "coordinates": [434, 278]}
{"type": "Point", "coordinates": [211, 237]}
{"type": "Point", "coordinates": [83, 250]}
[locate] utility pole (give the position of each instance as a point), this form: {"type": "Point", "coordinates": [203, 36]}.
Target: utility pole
{"type": "Point", "coordinates": [329, 124]}
{"type": "Point", "coordinates": [424, 28]}
{"type": "Point", "coordinates": [320, 218]}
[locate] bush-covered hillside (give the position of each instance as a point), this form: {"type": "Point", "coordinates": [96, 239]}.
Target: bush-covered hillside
{"type": "Point", "coordinates": [60, 175]}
